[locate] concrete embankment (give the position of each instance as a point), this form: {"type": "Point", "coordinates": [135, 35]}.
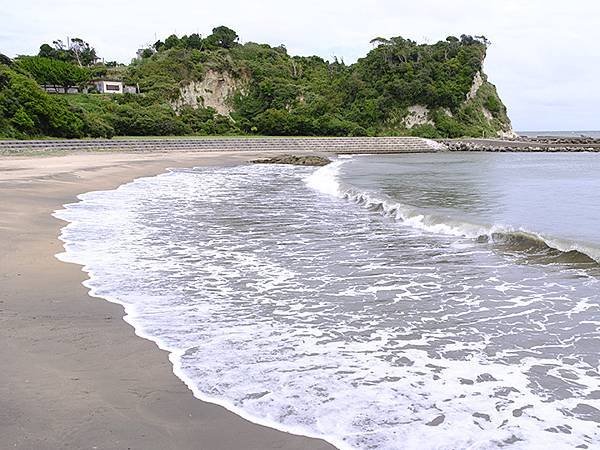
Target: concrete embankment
{"type": "Point", "coordinates": [288, 145]}
{"type": "Point", "coordinates": [356, 145]}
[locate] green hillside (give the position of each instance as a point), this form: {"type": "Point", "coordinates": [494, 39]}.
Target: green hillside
{"type": "Point", "coordinates": [215, 85]}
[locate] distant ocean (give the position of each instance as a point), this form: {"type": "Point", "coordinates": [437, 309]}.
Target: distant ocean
{"type": "Point", "coordinates": [426, 301]}
{"type": "Point", "coordinates": [594, 134]}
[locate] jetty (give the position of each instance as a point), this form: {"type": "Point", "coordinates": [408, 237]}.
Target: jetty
{"type": "Point", "coordinates": [525, 144]}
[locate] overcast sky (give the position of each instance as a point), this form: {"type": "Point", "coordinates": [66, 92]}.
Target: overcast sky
{"type": "Point", "coordinates": [544, 58]}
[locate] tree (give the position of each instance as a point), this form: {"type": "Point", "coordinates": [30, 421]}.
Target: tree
{"type": "Point", "coordinates": [171, 42]}
{"type": "Point", "coordinates": [380, 41]}
{"type": "Point", "coordinates": [46, 51]}
{"type": "Point", "coordinates": [484, 40]}
{"type": "Point", "coordinates": [194, 40]}
{"type": "Point", "coordinates": [30, 111]}
{"type": "Point", "coordinates": [466, 39]}
{"type": "Point", "coordinates": [222, 37]}
{"type": "Point", "coordinates": [77, 51]}
{"type": "Point", "coordinates": [5, 60]}
{"type": "Point", "coordinates": [53, 72]}
{"type": "Point", "coordinates": [83, 53]}
{"type": "Point", "coordinates": [158, 45]}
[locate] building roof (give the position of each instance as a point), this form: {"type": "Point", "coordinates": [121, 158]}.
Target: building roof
{"type": "Point", "coordinates": [107, 81]}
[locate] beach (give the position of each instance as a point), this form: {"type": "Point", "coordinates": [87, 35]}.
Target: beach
{"type": "Point", "coordinates": [74, 373]}
{"type": "Point", "coordinates": [371, 301]}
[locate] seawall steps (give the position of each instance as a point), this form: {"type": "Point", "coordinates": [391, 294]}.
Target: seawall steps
{"type": "Point", "coordinates": [358, 145]}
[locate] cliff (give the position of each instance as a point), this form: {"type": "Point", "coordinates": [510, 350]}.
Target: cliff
{"type": "Point", "coordinates": [215, 85]}
{"type": "Point", "coordinates": [399, 88]}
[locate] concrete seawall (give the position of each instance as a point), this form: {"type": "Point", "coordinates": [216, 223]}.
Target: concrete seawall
{"type": "Point", "coordinates": [337, 145]}
{"type": "Point", "coordinates": [341, 145]}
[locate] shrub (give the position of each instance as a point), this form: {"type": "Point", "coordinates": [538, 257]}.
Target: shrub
{"type": "Point", "coordinates": [29, 109]}
{"type": "Point", "coordinates": [98, 126]}
{"type": "Point", "coordinates": [426, 131]}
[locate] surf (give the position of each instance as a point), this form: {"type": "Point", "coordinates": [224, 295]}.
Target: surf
{"type": "Point", "coordinates": [294, 310]}
{"type": "Point", "coordinates": [543, 248]}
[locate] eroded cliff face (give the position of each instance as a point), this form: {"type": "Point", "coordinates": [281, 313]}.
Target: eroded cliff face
{"type": "Point", "coordinates": [481, 113]}
{"type": "Point", "coordinates": [216, 90]}
{"type": "Point", "coordinates": [421, 115]}
{"type": "Point", "coordinates": [417, 115]}
{"type": "Point", "coordinates": [477, 83]}
{"type": "Point", "coordinates": [497, 120]}
{"type": "Point", "coordinates": [475, 106]}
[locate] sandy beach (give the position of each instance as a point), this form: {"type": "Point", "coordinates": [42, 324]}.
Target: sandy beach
{"type": "Point", "coordinates": [74, 374]}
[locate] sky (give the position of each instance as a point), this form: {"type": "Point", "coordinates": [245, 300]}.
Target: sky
{"type": "Point", "coordinates": [544, 58]}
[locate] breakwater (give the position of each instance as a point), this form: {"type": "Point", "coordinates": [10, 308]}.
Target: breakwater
{"type": "Point", "coordinates": [342, 145]}
{"type": "Point", "coordinates": [524, 144]}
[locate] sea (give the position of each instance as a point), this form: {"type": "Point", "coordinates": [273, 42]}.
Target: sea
{"type": "Point", "coordinates": [566, 134]}
{"type": "Point", "coordinates": [416, 301]}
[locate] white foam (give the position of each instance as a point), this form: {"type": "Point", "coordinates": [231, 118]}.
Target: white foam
{"type": "Point", "coordinates": [327, 180]}
{"type": "Point", "coordinates": [286, 308]}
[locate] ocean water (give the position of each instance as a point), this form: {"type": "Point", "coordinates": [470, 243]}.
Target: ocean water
{"type": "Point", "coordinates": [439, 301]}
{"type": "Point", "coordinates": [593, 134]}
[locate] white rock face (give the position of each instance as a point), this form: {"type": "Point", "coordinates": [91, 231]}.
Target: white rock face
{"type": "Point", "coordinates": [487, 114]}
{"type": "Point", "coordinates": [417, 115]}
{"type": "Point", "coordinates": [477, 83]}
{"type": "Point", "coordinates": [214, 91]}
{"type": "Point", "coordinates": [507, 134]}
{"type": "Point", "coordinates": [436, 145]}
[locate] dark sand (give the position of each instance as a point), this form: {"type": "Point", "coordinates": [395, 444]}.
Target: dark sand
{"type": "Point", "coordinates": [73, 373]}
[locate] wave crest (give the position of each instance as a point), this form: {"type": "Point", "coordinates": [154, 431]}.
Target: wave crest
{"type": "Point", "coordinates": [545, 249]}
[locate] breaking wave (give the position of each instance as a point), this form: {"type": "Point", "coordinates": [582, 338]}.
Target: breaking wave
{"type": "Point", "coordinates": [544, 248]}
{"type": "Point", "coordinates": [298, 312]}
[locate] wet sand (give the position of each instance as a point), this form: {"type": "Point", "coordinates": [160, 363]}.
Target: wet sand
{"type": "Point", "coordinates": [74, 375]}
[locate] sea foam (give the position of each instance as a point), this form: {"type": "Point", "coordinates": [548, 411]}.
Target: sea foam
{"type": "Point", "coordinates": [326, 180]}
{"type": "Point", "coordinates": [300, 311]}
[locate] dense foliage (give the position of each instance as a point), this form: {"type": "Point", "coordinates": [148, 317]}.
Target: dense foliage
{"type": "Point", "coordinates": [26, 110]}
{"type": "Point", "coordinates": [76, 51]}
{"type": "Point", "coordinates": [54, 72]}
{"type": "Point", "coordinates": [277, 94]}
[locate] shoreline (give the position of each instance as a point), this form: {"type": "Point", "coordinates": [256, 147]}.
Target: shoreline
{"type": "Point", "coordinates": [76, 374]}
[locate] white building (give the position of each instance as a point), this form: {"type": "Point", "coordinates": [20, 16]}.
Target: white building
{"type": "Point", "coordinates": [108, 86]}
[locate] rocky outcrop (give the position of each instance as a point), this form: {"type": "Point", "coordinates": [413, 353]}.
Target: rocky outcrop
{"type": "Point", "coordinates": [309, 160]}
{"type": "Point", "coordinates": [417, 115]}
{"type": "Point", "coordinates": [487, 114]}
{"type": "Point", "coordinates": [499, 121]}
{"type": "Point", "coordinates": [495, 124]}
{"type": "Point", "coordinates": [507, 134]}
{"type": "Point", "coordinates": [477, 83]}
{"type": "Point", "coordinates": [215, 91]}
